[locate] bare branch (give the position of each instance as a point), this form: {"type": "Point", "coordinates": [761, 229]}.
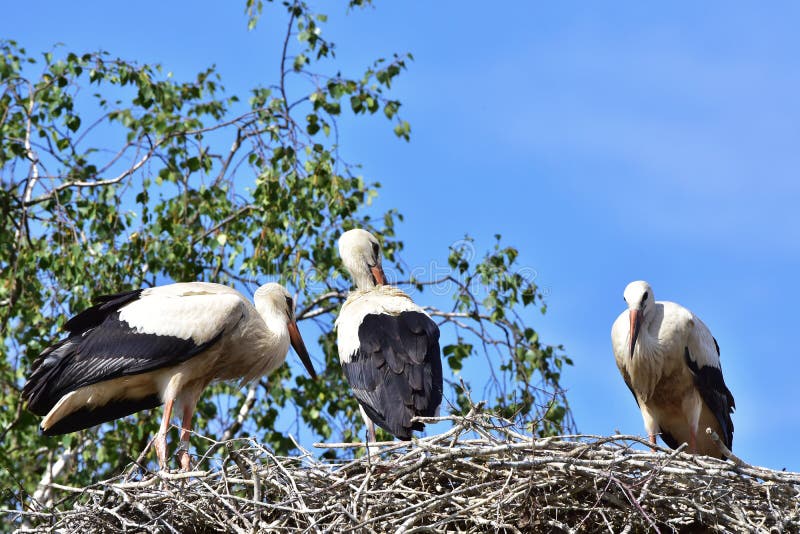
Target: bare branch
{"type": "Point", "coordinates": [238, 213]}
{"type": "Point", "coordinates": [311, 309]}
{"type": "Point", "coordinates": [481, 474]}
{"type": "Point", "coordinates": [95, 183]}
{"type": "Point", "coordinates": [723, 448]}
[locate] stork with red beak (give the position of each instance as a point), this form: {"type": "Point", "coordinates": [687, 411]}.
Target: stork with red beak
{"type": "Point", "coordinates": [163, 345]}
{"type": "Point", "coordinates": [670, 362]}
{"type": "Point", "coordinates": [388, 346]}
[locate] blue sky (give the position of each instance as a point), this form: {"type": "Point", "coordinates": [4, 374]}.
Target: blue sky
{"type": "Point", "coordinates": [608, 143]}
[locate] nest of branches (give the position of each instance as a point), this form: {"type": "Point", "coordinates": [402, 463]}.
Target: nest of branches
{"type": "Point", "coordinates": [482, 474]}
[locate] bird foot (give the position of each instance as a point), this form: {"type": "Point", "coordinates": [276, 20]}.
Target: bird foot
{"type": "Point", "coordinates": [183, 456]}
{"type": "Point", "coordinates": [185, 461]}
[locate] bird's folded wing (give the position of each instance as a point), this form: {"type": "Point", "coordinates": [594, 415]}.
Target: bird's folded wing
{"type": "Point", "coordinates": [151, 332]}
{"type": "Point", "coordinates": [703, 359]}
{"type": "Point", "coordinates": [397, 371]}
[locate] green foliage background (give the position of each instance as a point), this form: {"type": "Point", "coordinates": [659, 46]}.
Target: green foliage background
{"type": "Point", "coordinates": [117, 176]}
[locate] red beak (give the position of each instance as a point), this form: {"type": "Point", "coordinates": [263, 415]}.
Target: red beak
{"type": "Point", "coordinates": [636, 323]}
{"type": "Point", "coordinates": [300, 348]}
{"type": "Point", "coordinates": [377, 274]}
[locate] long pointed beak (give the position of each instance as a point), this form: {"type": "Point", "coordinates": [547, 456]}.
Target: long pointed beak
{"type": "Point", "coordinates": [636, 323]}
{"type": "Point", "coordinates": [377, 274]}
{"type": "Point", "coordinates": [300, 348]}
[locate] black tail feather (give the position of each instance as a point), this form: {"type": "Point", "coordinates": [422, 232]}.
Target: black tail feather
{"type": "Point", "coordinates": [87, 417]}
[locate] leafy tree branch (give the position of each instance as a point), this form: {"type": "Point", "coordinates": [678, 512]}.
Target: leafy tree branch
{"type": "Point", "coordinates": [116, 176]}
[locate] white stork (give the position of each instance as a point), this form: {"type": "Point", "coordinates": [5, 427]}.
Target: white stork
{"type": "Point", "coordinates": [388, 346]}
{"type": "Point", "coordinates": [162, 345]}
{"type": "Point", "coordinates": [670, 361]}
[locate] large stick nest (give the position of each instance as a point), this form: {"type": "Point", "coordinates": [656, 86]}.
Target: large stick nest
{"type": "Point", "coordinates": [480, 475]}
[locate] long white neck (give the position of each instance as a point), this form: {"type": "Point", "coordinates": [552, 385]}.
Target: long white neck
{"type": "Point", "coordinates": [363, 279]}
{"type": "Point", "coordinates": [274, 341]}
{"type": "Point", "coordinates": [359, 271]}
{"type": "Point", "coordinates": [647, 366]}
{"type": "Point", "coordinates": [275, 320]}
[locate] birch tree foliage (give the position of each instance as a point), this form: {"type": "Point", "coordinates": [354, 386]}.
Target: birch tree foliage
{"type": "Point", "coordinates": [116, 176]}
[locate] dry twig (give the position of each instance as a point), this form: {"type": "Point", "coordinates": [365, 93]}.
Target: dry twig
{"type": "Point", "coordinates": [480, 475]}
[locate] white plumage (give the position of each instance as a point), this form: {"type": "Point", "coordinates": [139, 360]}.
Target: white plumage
{"type": "Point", "coordinates": [162, 345]}
{"type": "Point", "coordinates": [194, 310]}
{"type": "Point", "coordinates": [670, 361]}
{"type": "Point", "coordinates": [362, 302]}
{"type": "Point", "coordinates": [388, 346]}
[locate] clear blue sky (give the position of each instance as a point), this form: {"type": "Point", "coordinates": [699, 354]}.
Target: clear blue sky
{"type": "Point", "coordinates": [608, 143]}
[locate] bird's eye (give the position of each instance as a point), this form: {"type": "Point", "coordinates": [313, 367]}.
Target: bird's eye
{"type": "Point", "coordinates": [376, 249]}
{"type": "Point", "coordinates": [644, 298]}
{"type": "Point", "coordinates": [289, 303]}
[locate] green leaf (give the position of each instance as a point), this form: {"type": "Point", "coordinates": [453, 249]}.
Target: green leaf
{"type": "Point", "coordinates": [188, 184]}
{"type": "Point", "coordinates": [403, 130]}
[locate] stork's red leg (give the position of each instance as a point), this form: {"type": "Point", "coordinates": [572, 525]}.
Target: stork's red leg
{"type": "Point", "coordinates": [653, 442]}
{"type": "Point", "coordinates": [370, 429]}
{"type": "Point", "coordinates": [160, 443]}
{"type": "Point", "coordinates": [186, 426]}
{"type": "Point", "coordinates": [370, 438]}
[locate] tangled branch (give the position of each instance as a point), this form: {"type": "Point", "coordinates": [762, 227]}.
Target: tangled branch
{"type": "Point", "coordinates": [482, 473]}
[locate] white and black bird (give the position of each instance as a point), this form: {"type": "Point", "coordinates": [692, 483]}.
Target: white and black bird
{"type": "Point", "coordinates": [161, 345]}
{"type": "Point", "coordinates": [388, 346]}
{"type": "Point", "coordinates": [670, 361]}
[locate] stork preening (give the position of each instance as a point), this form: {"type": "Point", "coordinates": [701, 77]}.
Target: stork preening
{"type": "Point", "coordinates": [163, 345]}
{"type": "Point", "coordinates": [670, 361]}
{"type": "Point", "coordinates": [388, 346]}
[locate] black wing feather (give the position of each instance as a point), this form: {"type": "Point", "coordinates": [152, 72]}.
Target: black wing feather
{"type": "Point", "coordinates": [397, 372]}
{"type": "Point", "coordinates": [101, 347]}
{"type": "Point", "coordinates": [627, 378]}
{"type": "Point", "coordinates": [103, 306]}
{"type": "Point", "coordinates": [671, 442]}
{"type": "Point", "coordinates": [89, 417]}
{"type": "Point", "coordinates": [715, 394]}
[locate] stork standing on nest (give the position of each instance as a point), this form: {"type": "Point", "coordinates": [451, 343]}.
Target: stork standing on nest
{"type": "Point", "coordinates": [670, 361]}
{"type": "Point", "coordinates": [162, 345]}
{"type": "Point", "coordinates": [388, 346]}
